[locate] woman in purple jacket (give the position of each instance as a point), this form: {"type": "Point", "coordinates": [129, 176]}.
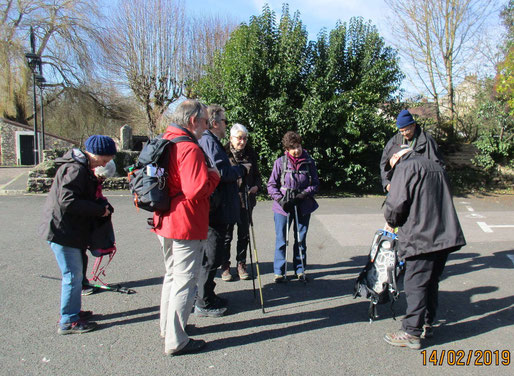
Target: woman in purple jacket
{"type": "Point", "coordinates": [292, 185]}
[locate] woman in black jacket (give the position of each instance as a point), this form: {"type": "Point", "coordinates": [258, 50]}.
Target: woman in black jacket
{"type": "Point", "coordinates": [68, 215]}
{"type": "Point", "coordinates": [240, 152]}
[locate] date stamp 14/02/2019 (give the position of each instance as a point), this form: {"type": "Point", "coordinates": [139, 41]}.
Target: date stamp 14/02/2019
{"type": "Point", "coordinates": [476, 358]}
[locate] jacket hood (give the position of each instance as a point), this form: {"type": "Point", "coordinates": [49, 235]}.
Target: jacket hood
{"type": "Point", "coordinates": [73, 156]}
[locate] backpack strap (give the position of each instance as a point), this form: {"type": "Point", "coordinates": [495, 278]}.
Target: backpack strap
{"type": "Point", "coordinates": [283, 171]}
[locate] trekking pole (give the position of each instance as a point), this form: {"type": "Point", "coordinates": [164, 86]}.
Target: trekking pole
{"type": "Point", "coordinates": [257, 265]}
{"type": "Point", "coordinates": [249, 240]}
{"type": "Point", "coordinates": [287, 245]}
{"type": "Point", "coordinates": [298, 242]}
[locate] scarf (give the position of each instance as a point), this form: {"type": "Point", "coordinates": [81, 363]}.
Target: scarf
{"type": "Point", "coordinates": [239, 155]}
{"type": "Point", "coordinates": [296, 162]}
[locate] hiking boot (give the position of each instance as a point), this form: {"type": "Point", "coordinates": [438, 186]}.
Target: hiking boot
{"type": "Point", "coordinates": [428, 331]}
{"type": "Point", "coordinates": [194, 345]}
{"type": "Point", "coordinates": [225, 273]}
{"type": "Point", "coordinates": [241, 270]}
{"type": "Point", "coordinates": [403, 339]}
{"type": "Point", "coordinates": [77, 327]}
{"type": "Point", "coordinates": [209, 311]}
{"type": "Point", "coordinates": [279, 278]}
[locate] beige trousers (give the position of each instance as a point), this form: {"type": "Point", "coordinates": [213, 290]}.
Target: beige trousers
{"type": "Point", "coordinates": [182, 259]}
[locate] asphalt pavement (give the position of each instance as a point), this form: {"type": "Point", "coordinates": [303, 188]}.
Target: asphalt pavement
{"type": "Point", "coordinates": [317, 328]}
{"type": "Point", "coordinates": [13, 180]}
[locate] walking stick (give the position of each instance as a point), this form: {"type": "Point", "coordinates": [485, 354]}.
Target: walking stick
{"type": "Point", "coordinates": [249, 240]}
{"type": "Point", "coordinates": [287, 245]}
{"type": "Point", "coordinates": [298, 242]}
{"type": "Point", "coordinates": [250, 223]}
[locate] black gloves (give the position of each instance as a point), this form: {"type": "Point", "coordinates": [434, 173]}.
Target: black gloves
{"type": "Point", "coordinates": [288, 206]}
{"type": "Point", "coordinates": [300, 196]}
{"type": "Point", "coordinates": [291, 199]}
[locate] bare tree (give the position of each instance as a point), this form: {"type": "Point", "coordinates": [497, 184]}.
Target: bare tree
{"type": "Point", "coordinates": [159, 51]}
{"type": "Point", "coordinates": [146, 45]}
{"type": "Point", "coordinates": [439, 38]}
{"type": "Point", "coordinates": [209, 34]}
{"type": "Point", "coordinates": [66, 35]}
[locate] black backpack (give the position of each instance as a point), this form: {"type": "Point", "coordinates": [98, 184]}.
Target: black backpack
{"type": "Point", "coordinates": [378, 281]}
{"type": "Point", "coordinates": [148, 178]}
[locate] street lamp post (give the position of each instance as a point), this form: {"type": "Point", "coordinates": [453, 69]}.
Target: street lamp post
{"type": "Point", "coordinates": [41, 83]}
{"type": "Point", "coordinates": [34, 60]}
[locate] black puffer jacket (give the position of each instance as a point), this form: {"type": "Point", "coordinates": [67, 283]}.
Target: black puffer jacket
{"type": "Point", "coordinates": [253, 178]}
{"type": "Point", "coordinates": [420, 203]}
{"type": "Point", "coordinates": [424, 144]}
{"type": "Point", "coordinates": [70, 207]}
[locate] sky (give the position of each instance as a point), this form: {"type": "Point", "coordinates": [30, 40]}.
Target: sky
{"type": "Point", "coordinates": [315, 14]}
{"type": "Point", "coordinates": [318, 14]}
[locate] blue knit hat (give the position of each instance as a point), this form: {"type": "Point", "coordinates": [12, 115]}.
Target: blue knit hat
{"type": "Point", "coordinates": [404, 119]}
{"type": "Point", "coordinates": [100, 145]}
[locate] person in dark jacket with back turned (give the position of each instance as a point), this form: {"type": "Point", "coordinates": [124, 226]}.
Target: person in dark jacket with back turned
{"type": "Point", "coordinates": [421, 205]}
{"type": "Point", "coordinates": [411, 135]}
{"type": "Point", "coordinates": [224, 211]}
{"type": "Point", "coordinates": [239, 152]}
{"type": "Point", "coordinates": [68, 214]}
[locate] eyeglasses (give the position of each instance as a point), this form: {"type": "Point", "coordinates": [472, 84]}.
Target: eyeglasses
{"type": "Point", "coordinates": [240, 138]}
{"type": "Point", "coordinates": [406, 129]}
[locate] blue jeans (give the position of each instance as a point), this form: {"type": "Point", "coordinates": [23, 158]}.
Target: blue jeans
{"type": "Point", "coordinates": [280, 242]}
{"type": "Point", "coordinates": [70, 262]}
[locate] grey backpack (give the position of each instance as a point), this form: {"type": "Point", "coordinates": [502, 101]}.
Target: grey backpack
{"type": "Point", "coordinates": [378, 281]}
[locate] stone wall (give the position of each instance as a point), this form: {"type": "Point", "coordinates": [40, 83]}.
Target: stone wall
{"type": "Point", "coordinates": [8, 143]}
{"type": "Point", "coordinates": [42, 176]}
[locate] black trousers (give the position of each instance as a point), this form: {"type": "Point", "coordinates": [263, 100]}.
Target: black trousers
{"type": "Point", "coordinates": [243, 236]}
{"type": "Point", "coordinates": [212, 259]}
{"type": "Point", "coordinates": [421, 284]}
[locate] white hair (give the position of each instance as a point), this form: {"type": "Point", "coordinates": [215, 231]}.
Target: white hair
{"type": "Point", "coordinates": [106, 172]}
{"type": "Point", "coordinates": [236, 128]}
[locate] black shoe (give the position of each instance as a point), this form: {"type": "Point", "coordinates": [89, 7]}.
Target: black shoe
{"type": "Point", "coordinates": [77, 327]}
{"type": "Point", "coordinates": [209, 311]}
{"type": "Point", "coordinates": [194, 345]}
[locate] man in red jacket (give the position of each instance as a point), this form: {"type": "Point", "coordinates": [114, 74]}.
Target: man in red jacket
{"type": "Point", "coordinates": [183, 230]}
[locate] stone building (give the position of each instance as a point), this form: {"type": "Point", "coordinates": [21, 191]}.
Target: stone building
{"type": "Point", "coordinates": [17, 143]}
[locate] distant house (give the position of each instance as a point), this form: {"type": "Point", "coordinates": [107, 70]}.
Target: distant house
{"type": "Point", "coordinates": [424, 111]}
{"type": "Point", "coordinates": [17, 143]}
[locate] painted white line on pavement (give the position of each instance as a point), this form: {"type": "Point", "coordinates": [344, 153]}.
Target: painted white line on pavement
{"type": "Point", "coordinates": [470, 208]}
{"type": "Point", "coordinates": [511, 258]}
{"type": "Point", "coordinates": [474, 215]}
{"type": "Point", "coordinates": [484, 227]}
{"type": "Point", "coordinates": [488, 228]}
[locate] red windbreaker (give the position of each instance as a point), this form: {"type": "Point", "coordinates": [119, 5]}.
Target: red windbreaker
{"type": "Point", "coordinates": [190, 186]}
